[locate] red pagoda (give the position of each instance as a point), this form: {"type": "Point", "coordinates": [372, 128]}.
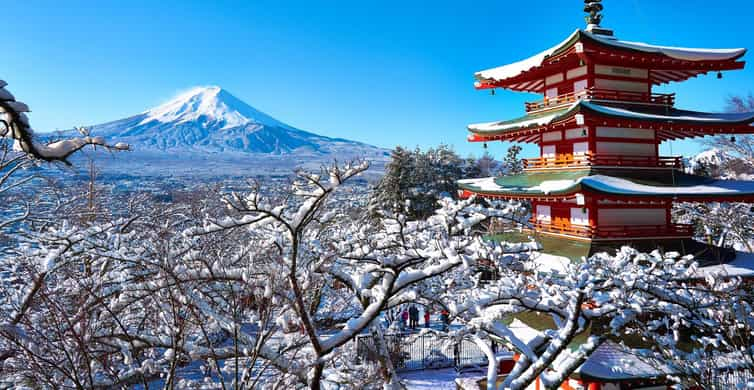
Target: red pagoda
{"type": "Point", "coordinates": [599, 177]}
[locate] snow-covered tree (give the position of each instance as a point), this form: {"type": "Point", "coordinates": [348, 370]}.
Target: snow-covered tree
{"type": "Point", "coordinates": [606, 297]}
{"type": "Point", "coordinates": [415, 180]}
{"type": "Point", "coordinates": [512, 163]}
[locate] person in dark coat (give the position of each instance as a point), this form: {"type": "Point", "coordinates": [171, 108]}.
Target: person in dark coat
{"type": "Point", "coordinates": [413, 314]}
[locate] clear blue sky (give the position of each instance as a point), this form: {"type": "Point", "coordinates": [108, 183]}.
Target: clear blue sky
{"type": "Point", "coordinates": [383, 72]}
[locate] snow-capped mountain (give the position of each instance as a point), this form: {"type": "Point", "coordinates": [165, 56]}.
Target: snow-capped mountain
{"type": "Point", "coordinates": [211, 120]}
{"type": "Point", "coordinates": [209, 132]}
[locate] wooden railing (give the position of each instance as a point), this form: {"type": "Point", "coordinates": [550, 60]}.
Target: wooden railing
{"type": "Point", "coordinates": [609, 160]}
{"type": "Point", "coordinates": [661, 99]}
{"type": "Point", "coordinates": [617, 232]}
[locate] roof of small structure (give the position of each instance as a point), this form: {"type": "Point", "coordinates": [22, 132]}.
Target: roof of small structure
{"type": "Point", "coordinates": [526, 128]}
{"type": "Point", "coordinates": [564, 183]}
{"type": "Point", "coordinates": [612, 361]}
{"type": "Point", "coordinates": [684, 61]}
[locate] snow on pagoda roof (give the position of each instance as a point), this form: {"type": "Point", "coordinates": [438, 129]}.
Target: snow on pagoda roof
{"type": "Point", "coordinates": [531, 120]}
{"type": "Point", "coordinates": [614, 185]}
{"type": "Point", "coordinates": [679, 53]}
{"type": "Point", "coordinates": [633, 112]}
{"type": "Point", "coordinates": [516, 68]}
{"type": "Point", "coordinates": [562, 183]}
{"type": "Point", "coordinates": [670, 114]}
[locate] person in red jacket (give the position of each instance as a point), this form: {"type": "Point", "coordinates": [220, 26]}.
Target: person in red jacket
{"type": "Point", "coordinates": [426, 318]}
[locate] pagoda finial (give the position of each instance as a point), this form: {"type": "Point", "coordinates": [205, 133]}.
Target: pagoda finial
{"type": "Point", "coordinates": [594, 9]}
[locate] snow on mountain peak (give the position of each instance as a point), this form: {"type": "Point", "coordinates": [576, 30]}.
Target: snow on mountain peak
{"type": "Point", "coordinates": [212, 105]}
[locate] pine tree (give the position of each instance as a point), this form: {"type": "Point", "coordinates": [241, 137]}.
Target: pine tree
{"type": "Point", "coordinates": [414, 181]}
{"type": "Point", "coordinates": [512, 163]}
{"type": "Point", "coordinates": [486, 165]}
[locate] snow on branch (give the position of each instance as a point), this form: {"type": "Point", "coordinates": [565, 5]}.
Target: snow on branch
{"type": "Point", "coordinates": [14, 125]}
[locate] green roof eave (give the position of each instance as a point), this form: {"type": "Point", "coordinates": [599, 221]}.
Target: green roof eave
{"type": "Point", "coordinates": [656, 183]}
{"type": "Point", "coordinates": [530, 121]}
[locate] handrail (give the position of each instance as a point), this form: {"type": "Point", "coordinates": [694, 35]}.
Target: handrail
{"type": "Point", "coordinates": [662, 99]}
{"type": "Point", "coordinates": [617, 231]}
{"type": "Point", "coordinates": [598, 159]}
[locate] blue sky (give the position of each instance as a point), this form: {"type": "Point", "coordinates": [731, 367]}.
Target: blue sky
{"type": "Point", "coordinates": [383, 72]}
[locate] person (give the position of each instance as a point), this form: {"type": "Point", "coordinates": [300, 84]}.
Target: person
{"type": "Point", "coordinates": [426, 318]}
{"type": "Point", "coordinates": [445, 319]}
{"type": "Point", "coordinates": [404, 319]}
{"type": "Point", "coordinates": [413, 313]}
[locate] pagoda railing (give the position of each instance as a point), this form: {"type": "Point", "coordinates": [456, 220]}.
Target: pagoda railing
{"type": "Point", "coordinates": [610, 160]}
{"type": "Point", "coordinates": [617, 231]}
{"type": "Point", "coordinates": [548, 103]}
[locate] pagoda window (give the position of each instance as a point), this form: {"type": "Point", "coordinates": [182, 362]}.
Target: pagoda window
{"type": "Point", "coordinates": [580, 150]}
{"type": "Point", "coordinates": [617, 71]}
{"type": "Point", "coordinates": [618, 132]}
{"type": "Point", "coordinates": [544, 214]}
{"type": "Point", "coordinates": [551, 93]}
{"type": "Point", "coordinates": [580, 132]}
{"type": "Point", "coordinates": [552, 136]}
{"type": "Point", "coordinates": [579, 216]}
{"type": "Point", "coordinates": [554, 79]}
{"type": "Point", "coordinates": [548, 152]}
{"type": "Point", "coordinates": [631, 217]}
{"type": "Point", "coordinates": [621, 85]}
{"type": "Point", "coordinates": [577, 72]}
{"type": "Point", "coordinates": [580, 85]}
{"type": "Point", "coordinates": [627, 149]}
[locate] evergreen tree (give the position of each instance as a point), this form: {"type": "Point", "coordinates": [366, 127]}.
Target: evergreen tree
{"type": "Point", "coordinates": [512, 163]}
{"type": "Point", "coordinates": [415, 180]}
{"type": "Point", "coordinates": [487, 165]}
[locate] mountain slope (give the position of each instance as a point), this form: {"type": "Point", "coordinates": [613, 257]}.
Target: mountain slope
{"type": "Point", "coordinates": [211, 120]}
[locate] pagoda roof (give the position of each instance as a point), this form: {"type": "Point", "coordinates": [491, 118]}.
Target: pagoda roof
{"type": "Point", "coordinates": [528, 127]}
{"type": "Point", "coordinates": [668, 63]}
{"type": "Point", "coordinates": [631, 183]}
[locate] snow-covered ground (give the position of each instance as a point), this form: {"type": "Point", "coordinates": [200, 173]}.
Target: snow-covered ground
{"type": "Point", "coordinates": [435, 379]}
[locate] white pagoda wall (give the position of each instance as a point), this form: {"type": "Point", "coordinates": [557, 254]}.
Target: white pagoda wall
{"type": "Point", "coordinates": [626, 148]}
{"type": "Point", "coordinates": [631, 217]}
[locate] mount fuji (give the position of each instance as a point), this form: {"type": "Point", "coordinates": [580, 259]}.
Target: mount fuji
{"type": "Point", "coordinates": [207, 130]}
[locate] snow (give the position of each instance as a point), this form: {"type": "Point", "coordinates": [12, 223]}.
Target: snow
{"type": "Point", "coordinates": [741, 266]}
{"type": "Point", "coordinates": [616, 185]}
{"type": "Point", "coordinates": [508, 125]}
{"type": "Point", "coordinates": [547, 262]}
{"type": "Point", "coordinates": [436, 379]}
{"type": "Point", "coordinates": [680, 53]}
{"type": "Point", "coordinates": [687, 115]}
{"type": "Point", "coordinates": [210, 124]}
{"type": "Point", "coordinates": [548, 186]}
{"type": "Point", "coordinates": [516, 68]}
{"type": "Point", "coordinates": [209, 103]}
{"type": "Point", "coordinates": [611, 361]}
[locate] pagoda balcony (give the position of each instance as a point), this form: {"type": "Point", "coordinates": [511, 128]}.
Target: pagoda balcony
{"type": "Point", "coordinates": [604, 95]}
{"type": "Point", "coordinates": [609, 160]}
{"type": "Point", "coordinates": [616, 232]}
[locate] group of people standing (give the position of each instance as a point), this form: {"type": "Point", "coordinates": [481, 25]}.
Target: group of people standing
{"type": "Point", "coordinates": [410, 318]}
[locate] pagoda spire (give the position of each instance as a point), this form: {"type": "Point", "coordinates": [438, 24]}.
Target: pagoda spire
{"type": "Point", "coordinates": [594, 9]}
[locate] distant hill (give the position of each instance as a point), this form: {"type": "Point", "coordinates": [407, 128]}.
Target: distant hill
{"type": "Point", "coordinates": [208, 131]}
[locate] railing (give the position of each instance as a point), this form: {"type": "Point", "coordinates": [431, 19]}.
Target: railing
{"type": "Point", "coordinates": [618, 231]}
{"type": "Point", "coordinates": [610, 160]}
{"type": "Point", "coordinates": [416, 351]}
{"type": "Point", "coordinates": [547, 103]}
